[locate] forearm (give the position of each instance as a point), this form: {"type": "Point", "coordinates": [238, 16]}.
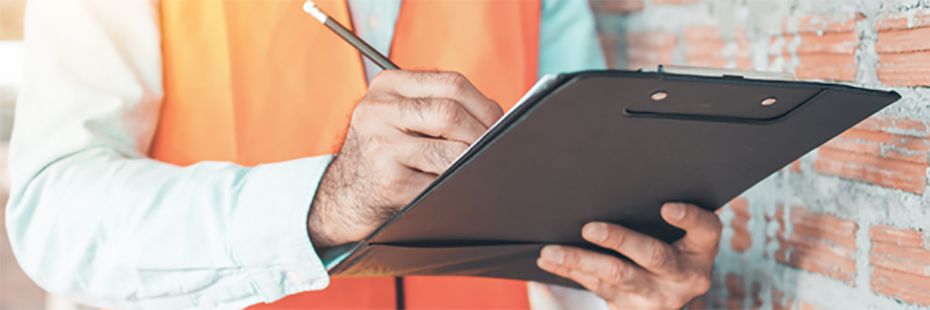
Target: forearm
{"type": "Point", "coordinates": [114, 231]}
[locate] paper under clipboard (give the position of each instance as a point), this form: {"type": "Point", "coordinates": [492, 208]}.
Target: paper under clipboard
{"type": "Point", "coordinates": [607, 146]}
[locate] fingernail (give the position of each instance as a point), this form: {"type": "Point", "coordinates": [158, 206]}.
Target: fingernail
{"type": "Point", "coordinates": [673, 211]}
{"type": "Point", "coordinates": [553, 254]}
{"type": "Point", "coordinates": [595, 232]}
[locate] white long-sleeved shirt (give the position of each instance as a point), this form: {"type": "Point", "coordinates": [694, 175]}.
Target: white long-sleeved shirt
{"type": "Point", "coordinates": [93, 218]}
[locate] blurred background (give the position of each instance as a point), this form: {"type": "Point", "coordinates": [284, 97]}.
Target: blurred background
{"type": "Point", "coordinates": [16, 290]}
{"type": "Point", "coordinates": [844, 227]}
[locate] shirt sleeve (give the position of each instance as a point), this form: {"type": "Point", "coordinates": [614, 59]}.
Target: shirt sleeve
{"type": "Point", "coordinates": [567, 42]}
{"type": "Point", "coordinates": [568, 38]}
{"type": "Point", "coordinates": [92, 218]}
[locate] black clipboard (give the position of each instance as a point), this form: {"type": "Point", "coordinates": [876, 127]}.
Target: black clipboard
{"type": "Point", "coordinates": [607, 146]}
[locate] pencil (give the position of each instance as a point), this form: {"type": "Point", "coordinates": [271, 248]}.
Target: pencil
{"type": "Point", "coordinates": [350, 37]}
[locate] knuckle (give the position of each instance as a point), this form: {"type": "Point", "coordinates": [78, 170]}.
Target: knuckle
{"type": "Point", "coordinates": [615, 239]}
{"type": "Point", "coordinates": [447, 113]}
{"type": "Point", "coordinates": [444, 155]}
{"type": "Point", "coordinates": [713, 233]}
{"type": "Point", "coordinates": [363, 106]}
{"type": "Point", "coordinates": [385, 76]}
{"type": "Point", "coordinates": [458, 149]}
{"type": "Point", "coordinates": [658, 256]}
{"type": "Point", "coordinates": [370, 107]}
{"type": "Point", "coordinates": [595, 285]}
{"type": "Point", "coordinates": [495, 109]}
{"type": "Point", "coordinates": [456, 80]}
{"type": "Point", "coordinates": [414, 105]}
{"type": "Point", "coordinates": [617, 273]}
{"type": "Point", "coordinates": [572, 258]}
{"type": "Point", "coordinates": [702, 284]}
{"type": "Point", "coordinates": [393, 186]}
{"type": "Point", "coordinates": [717, 226]}
{"type": "Point", "coordinates": [374, 146]}
{"type": "Point", "coordinates": [674, 302]}
{"type": "Point", "coordinates": [437, 154]}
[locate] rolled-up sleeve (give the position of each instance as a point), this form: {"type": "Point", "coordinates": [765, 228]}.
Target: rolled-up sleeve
{"type": "Point", "coordinates": [92, 218]}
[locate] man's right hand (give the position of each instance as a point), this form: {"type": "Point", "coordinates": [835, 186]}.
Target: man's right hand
{"type": "Point", "coordinates": [406, 131]}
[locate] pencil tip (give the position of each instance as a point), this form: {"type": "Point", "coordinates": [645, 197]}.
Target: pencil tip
{"type": "Point", "coordinates": [309, 6]}
{"type": "Point", "coordinates": [311, 9]}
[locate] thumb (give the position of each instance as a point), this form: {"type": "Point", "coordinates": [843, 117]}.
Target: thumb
{"type": "Point", "coordinates": [702, 228]}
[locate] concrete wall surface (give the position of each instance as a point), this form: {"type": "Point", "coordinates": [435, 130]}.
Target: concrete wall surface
{"type": "Point", "coordinates": [848, 225]}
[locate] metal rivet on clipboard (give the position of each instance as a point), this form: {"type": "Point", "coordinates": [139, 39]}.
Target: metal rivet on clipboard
{"type": "Point", "coordinates": [769, 101]}
{"type": "Point", "coordinates": [659, 96]}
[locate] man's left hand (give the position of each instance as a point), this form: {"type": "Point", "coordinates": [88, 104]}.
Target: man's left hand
{"type": "Point", "coordinates": [660, 276]}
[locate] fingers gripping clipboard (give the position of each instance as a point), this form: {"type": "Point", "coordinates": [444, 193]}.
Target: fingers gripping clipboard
{"type": "Point", "coordinates": [607, 146]}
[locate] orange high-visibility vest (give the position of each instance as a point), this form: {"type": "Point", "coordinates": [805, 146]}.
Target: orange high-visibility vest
{"type": "Point", "coordinates": [261, 81]}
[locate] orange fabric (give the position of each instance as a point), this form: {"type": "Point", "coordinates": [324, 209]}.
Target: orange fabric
{"type": "Point", "coordinates": [493, 43]}
{"type": "Point", "coordinates": [464, 293]}
{"type": "Point", "coordinates": [343, 293]}
{"type": "Point", "coordinates": [253, 82]}
{"type": "Point", "coordinates": [261, 81]}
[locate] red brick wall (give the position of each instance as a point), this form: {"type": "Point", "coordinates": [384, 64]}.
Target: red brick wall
{"type": "Point", "coordinates": [903, 48]}
{"type": "Point", "coordinates": [848, 225]}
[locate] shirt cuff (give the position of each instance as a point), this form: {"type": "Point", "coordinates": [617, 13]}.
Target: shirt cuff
{"type": "Point", "coordinates": [268, 228]}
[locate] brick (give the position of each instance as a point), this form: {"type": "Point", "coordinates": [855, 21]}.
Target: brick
{"type": "Point", "coordinates": [620, 6]}
{"type": "Point", "coordinates": [904, 40]}
{"type": "Point", "coordinates": [649, 49]}
{"type": "Point", "coordinates": [823, 227]}
{"type": "Point", "coordinates": [916, 260]}
{"type": "Point", "coordinates": [705, 46]}
{"type": "Point", "coordinates": [795, 166]}
{"type": "Point", "coordinates": [904, 69]}
{"type": "Point", "coordinates": [806, 306]}
{"type": "Point", "coordinates": [817, 23]}
{"type": "Point", "coordinates": [901, 260]}
{"type": "Point", "coordinates": [903, 48]}
{"type": "Point", "coordinates": [756, 295]}
{"type": "Point", "coordinates": [831, 67]}
{"type": "Point", "coordinates": [742, 240]}
{"type": "Point", "coordinates": [827, 49]}
{"type": "Point", "coordinates": [735, 285]}
{"type": "Point", "coordinates": [609, 42]}
{"type": "Point", "coordinates": [886, 151]}
{"type": "Point", "coordinates": [819, 243]}
{"type": "Point", "coordinates": [736, 291]}
{"type": "Point", "coordinates": [880, 144]}
{"type": "Point", "coordinates": [903, 286]}
{"type": "Point", "coordinates": [904, 20]}
{"type": "Point", "coordinates": [870, 169]}
{"type": "Point", "coordinates": [903, 32]}
{"type": "Point", "coordinates": [902, 126]}
{"type": "Point", "coordinates": [831, 42]}
{"type": "Point", "coordinates": [903, 237]}
{"type": "Point", "coordinates": [780, 300]}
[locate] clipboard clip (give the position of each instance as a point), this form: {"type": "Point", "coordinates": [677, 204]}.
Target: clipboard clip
{"type": "Point", "coordinates": [718, 72]}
